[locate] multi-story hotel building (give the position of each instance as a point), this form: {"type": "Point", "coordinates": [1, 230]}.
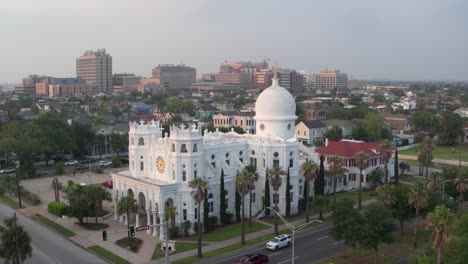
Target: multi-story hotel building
{"type": "Point", "coordinates": [331, 79]}
{"type": "Point", "coordinates": [66, 87]}
{"type": "Point", "coordinates": [96, 68]}
{"type": "Point", "coordinates": [175, 76]}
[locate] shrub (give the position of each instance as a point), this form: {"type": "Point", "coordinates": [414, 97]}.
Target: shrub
{"type": "Point", "coordinates": [229, 216]}
{"type": "Point", "coordinates": [115, 162]}
{"type": "Point", "coordinates": [35, 200]}
{"type": "Point", "coordinates": [213, 221]}
{"type": "Point", "coordinates": [174, 232]}
{"type": "Point", "coordinates": [97, 170]}
{"type": "Point", "coordinates": [59, 168]}
{"type": "Point", "coordinates": [57, 208]}
{"type": "Point", "coordinates": [2, 190]}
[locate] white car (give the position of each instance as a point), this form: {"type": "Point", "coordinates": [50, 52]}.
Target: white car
{"type": "Point", "coordinates": [7, 171]}
{"type": "Point", "coordinates": [104, 163]}
{"type": "Point", "coordinates": [279, 242]}
{"type": "Point", "coordinates": [71, 163]}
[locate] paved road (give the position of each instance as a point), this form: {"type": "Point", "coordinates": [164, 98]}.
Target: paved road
{"type": "Point", "coordinates": [310, 245]}
{"type": "Point", "coordinates": [49, 247]}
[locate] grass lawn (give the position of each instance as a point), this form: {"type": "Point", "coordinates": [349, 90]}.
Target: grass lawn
{"type": "Point", "coordinates": [366, 195]}
{"type": "Point", "coordinates": [108, 255]}
{"type": "Point", "coordinates": [411, 178]}
{"type": "Point", "coordinates": [10, 202]}
{"type": "Point", "coordinates": [135, 244]}
{"type": "Point", "coordinates": [94, 226]}
{"type": "Point", "coordinates": [230, 231]}
{"type": "Point", "coordinates": [443, 152]}
{"type": "Point", "coordinates": [180, 247]}
{"type": "Point", "coordinates": [58, 228]}
{"type": "Point", "coordinates": [223, 250]}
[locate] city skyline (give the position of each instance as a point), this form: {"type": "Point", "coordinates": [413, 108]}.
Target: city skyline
{"type": "Point", "coordinates": [399, 40]}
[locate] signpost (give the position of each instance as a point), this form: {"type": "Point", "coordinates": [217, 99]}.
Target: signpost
{"type": "Point", "coordinates": [142, 228]}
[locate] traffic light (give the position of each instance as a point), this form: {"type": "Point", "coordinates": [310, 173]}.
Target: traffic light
{"type": "Point", "coordinates": [132, 231]}
{"type": "Point", "coordinates": [104, 235]}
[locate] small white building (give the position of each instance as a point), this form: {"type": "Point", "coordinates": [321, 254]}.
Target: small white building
{"type": "Point", "coordinates": [311, 132]}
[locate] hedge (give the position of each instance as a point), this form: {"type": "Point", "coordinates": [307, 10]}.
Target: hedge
{"type": "Point", "coordinates": [57, 208]}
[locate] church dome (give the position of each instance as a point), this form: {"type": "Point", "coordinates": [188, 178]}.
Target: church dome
{"type": "Point", "coordinates": [275, 103]}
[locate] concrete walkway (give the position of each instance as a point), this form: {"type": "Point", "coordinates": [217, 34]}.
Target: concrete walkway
{"type": "Point", "coordinates": [436, 160]}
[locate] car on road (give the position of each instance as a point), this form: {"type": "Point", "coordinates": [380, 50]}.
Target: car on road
{"type": "Point", "coordinates": [71, 163]}
{"type": "Point", "coordinates": [82, 167]}
{"type": "Point", "coordinates": [253, 259]}
{"type": "Point", "coordinates": [107, 184]}
{"type": "Point", "coordinates": [103, 163]}
{"type": "Point", "coordinates": [278, 242]}
{"type": "Point", "coordinates": [7, 171]}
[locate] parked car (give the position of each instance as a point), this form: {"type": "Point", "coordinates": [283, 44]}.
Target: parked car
{"type": "Point", "coordinates": [279, 242]}
{"type": "Point", "coordinates": [107, 184]}
{"type": "Point", "coordinates": [82, 167]}
{"type": "Point", "coordinates": [41, 172]}
{"type": "Point", "coordinates": [71, 163]}
{"type": "Point", "coordinates": [253, 259]}
{"type": "Point", "coordinates": [103, 163]}
{"type": "Point", "coordinates": [7, 171]}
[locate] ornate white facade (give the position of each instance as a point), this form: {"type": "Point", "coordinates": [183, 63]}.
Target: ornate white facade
{"type": "Point", "coordinates": [161, 166]}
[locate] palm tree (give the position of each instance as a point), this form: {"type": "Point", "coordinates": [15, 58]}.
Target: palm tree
{"type": "Point", "coordinates": [385, 196]}
{"type": "Point", "coordinates": [362, 163]}
{"type": "Point", "coordinates": [461, 184]}
{"type": "Point", "coordinates": [434, 182]}
{"type": "Point", "coordinates": [426, 154]}
{"type": "Point", "coordinates": [252, 170]}
{"type": "Point", "coordinates": [128, 206]}
{"type": "Point", "coordinates": [404, 166]}
{"type": "Point", "coordinates": [310, 173]}
{"type": "Point", "coordinates": [321, 203]}
{"type": "Point", "coordinates": [439, 221]}
{"type": "Point", "coordinates": [199, 187]}
{"type": "Point", "coordinates": [418, 197]}
{"type": "Point", "coordinates": [169, 213]}
{"type": "Point", "coordinates": [275, 181]}
{"type": "Point", "coordinates": [336, 163]}
{"type": "Point", "coordinates": [15, 243]}
{"type": "Point", "coordinates": [386, 149]}
{"type": "Point", "coordinates": [244, 184]}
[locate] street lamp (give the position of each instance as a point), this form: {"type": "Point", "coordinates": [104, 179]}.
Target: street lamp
{"type": "Point", "coordinates": [292, 228]}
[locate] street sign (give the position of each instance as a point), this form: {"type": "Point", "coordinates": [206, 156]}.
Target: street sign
{"type": "Point", "coordinates": [142, 228]}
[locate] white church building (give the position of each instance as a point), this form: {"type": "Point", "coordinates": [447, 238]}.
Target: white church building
{"type": "Point", "coordinates": [161, 166]}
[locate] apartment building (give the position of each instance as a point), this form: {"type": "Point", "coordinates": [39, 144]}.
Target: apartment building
{"type": "Point", "coordinates": [174, 76]}
{"type": "Point", "coordinates": [95, 67]}
{"type": "Point", "coordinates": [327, 80]}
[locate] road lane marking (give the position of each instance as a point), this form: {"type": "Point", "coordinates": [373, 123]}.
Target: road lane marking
{"type": "Point", "coordinates": [313, 232]}
{"type": "Point", "coordinates": [322, 238]}
{"type": "Point", "coordinates": [339, 242]}
{"type": "Point", "coordinates": [288, 260]}
{"type": "Point", "coordinates": [274, 254]}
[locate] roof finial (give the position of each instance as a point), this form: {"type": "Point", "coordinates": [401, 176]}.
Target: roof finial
{"type": "Point", "coordinates": [275, 73]}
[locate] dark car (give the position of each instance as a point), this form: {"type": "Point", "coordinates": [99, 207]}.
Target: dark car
{"type": "Point", "coordinates": [253, 259]}
{"type": "Point", "coordinates": [107, 184]}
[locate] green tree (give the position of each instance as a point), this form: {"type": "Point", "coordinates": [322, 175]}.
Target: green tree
{"type": "Point", "coordinates": [276, 181]}
{"type": "Point", "coordinates": [401, 209]}
{"type": "Point", "coordinates": [222, 202]}
{"type": "Point", "coordinates": [454, 251]}
{"type": "Point", "coordinates": [237, 205]}
{"type": "Point", "coordinates": [199, 188]}
{"type": "Point", "coordinates": [100, 144]}
{"type": "Point", "coordinates": [319, 185]}
{"type": "Point", "coordinates": [452, 128]}
{"type": "Point", "coordinates": [244, 184]}
{"type": "Point", "coordinates": [461, 184]}
{"type": "Point", "coordinates": [206, 216]}
{"type": "Point", "coordinates": [376, 228]}
{"type": "Point", "coordinates": [360, 133]}
{"type": "Point", "coordinates": [404, 166]}
{"type": "Point", "coordinates": [59, 168]}
{"type": "Point", "coordinates": [253, 171]}
{"type": "Point", "coordinates": [128, 206]}
{"type": "Point", "coordinates": [336, 168]}
{"type": "Point", "coordinates": [288, 195]}
{"type": "Point", "coordinates": [78, 203]}
{"type": "Point", "coordinates": [361, 163]}
{"type": "Point", "coordinates": [266, 197]}
{"type": "Point", "coordinates": [335, 133]}
{"type": "Point", "coordinates": [396, 175]}
{"type": "Point", "coordinates": [386, 196]}
{"type": "Point", "coordinates": [320, 203]}
{"type": "Point", "coordinates": [418, 198]}
{"type": "Point", "coordinates": [119, 142]}
{"type": "Point", "coordinates": [346, 223]}
{"type": "Point", "coordinates": [374, 124]}
{"type": "Point", "coordinates": [386, 149]}
{"type": "Point", "coordinates": [15, 246]}
{"type": "Point", "coordinates": [84, 138]}
{"type": "Point", "coordinates": [425, 155]}
{"type": "Point", "coordinates": [438, 222]}
{"type": "Point", "coordinates": [96, 195]}
{"type": "Point", "coordinates": [310, 173]}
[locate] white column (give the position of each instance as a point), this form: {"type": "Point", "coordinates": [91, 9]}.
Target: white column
{"type": "Point", "coordinates": [161, 228]}
{"type": "Point", "coordinates": [155, 221]}
{"type": "Point", "coordinates": [126, 219]}
{"type": "Point", "coordinates": [148, 220]}
{"type": "Point", "coordinates": [137, 219]}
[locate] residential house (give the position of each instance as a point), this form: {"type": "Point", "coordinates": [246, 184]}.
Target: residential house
{"type": "Point", "coordinates": [399, 124]}
{"type": "Point", "coordinates": [462, 112]}
{"type": "Point", "coordinates": [244, 120]}
{"type": "Point", "coordinates": [27, 114]}
{"type": "Point", "coordinates": [224, 106]}
{"type": "Point", "coordinates": [346, 126]}
{"type": "Point", "coordinates": [90, 108]}
{"type": "Point", "coordinates": [206, 111]}
{"type": "Point", "coordinates": [347, 149]}
{"type": "Point", "coordinates": [311, 132]}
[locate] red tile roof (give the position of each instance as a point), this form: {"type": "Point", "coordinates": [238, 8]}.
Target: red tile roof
{"type": "Point", "coordinates": [349, 148]}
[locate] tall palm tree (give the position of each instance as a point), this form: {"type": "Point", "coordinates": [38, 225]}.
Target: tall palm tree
{"type": "Point", "coordinates": [418, 198]}
{"type": "Point", "coordinates": [461, 184]}
{"type": "Point", "coordinates": [336, 163]}
{"type": "Point", "coordinates": [434, 182]}
{"type": "Point", "coordinates": [386, 149]}
{"type": "Point", "coordinates": [321, 203]}
{"type": "Point", "coordinates": [361, 163]}
{"type": "Point", "coordinates": [275, 181]}
{"type": "Point", "coordinates": [426, 154]}
{"type": "Point", "coordinates": [439, 221]}
{"type": "Point", "coordinates": [199, 187]}
{"type": "Point", "coordinates": [252, 170]}
{"type": "Point", "coordinates": [128, 206]}
{"type": "Point", "coordinates": [310, 173]}
{"type": "Point", "coordinates": [386, 196]}
{"type": "Point", "coordinates": [169, 213]}
{"type": "Point", "coordinates": [244, 184]}
{"type": "Point", "coordinates": [15, 242]}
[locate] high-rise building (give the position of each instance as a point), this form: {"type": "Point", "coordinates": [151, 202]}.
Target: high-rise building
{"type": "Point", "coordinates": [175, 76]}
{"type": "Point", "coordinates": [331, 79]}
{"type": "Point", "coordinates": [125, 82]}
{"type": "Point", "coordinates": [95, 67]}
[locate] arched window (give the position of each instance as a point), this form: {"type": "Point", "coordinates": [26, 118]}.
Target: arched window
{"type": "Point", "coordinates": [183, 148]}
{"type": "Point", "coordinates": [195, 147]}
{"type": "Point", "coordinates": [141, 141]}
{"type": "Point", "coordinates": [173, 148]}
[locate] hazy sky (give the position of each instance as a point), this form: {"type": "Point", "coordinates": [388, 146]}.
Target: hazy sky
{"type": "Point", "coordinates": [384, 39]}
